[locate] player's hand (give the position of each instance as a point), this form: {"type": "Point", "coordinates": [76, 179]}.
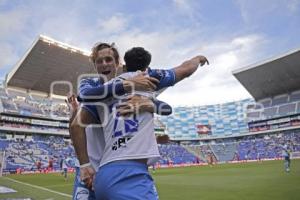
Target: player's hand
{"type": "Point", "coordinates": [72, 102]}
{"type": "Point", "coordinates": [87, 175]}
{"type": "Point", "coordinates": [140, 82]}
{"type": "Point", "coordinates": [134, 105]}
{"type": "Point", "coordinates": [202, 60]}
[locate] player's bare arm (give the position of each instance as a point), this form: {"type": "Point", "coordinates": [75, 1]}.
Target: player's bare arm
{"type": "Point", "coordinates": [188, 67]}
{"type": "Point", "coordinates": [78, 137]}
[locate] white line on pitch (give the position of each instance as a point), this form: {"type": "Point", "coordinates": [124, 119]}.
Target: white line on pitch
{"type": "Point", "coordinates": [38, 187]}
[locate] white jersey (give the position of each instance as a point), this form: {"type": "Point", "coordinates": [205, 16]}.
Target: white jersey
{"type": "Point", "coordinates": [130, 137]}
{"type": "Point", "coordinates": [95, 144]}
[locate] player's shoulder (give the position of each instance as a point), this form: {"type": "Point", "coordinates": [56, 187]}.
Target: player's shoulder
{"type": "Point", "coordinates": [166, 77]}
{"type": "Point", "coordinates": [127, 75]}
{"type": "Point", "coordinates": [90, 81]}
{"type": "Point", "coordinates": [160, 73]}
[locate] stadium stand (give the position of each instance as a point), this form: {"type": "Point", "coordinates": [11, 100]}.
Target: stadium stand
{"type": "Point", "coordinates": [24, 153]}
{"type": "Point", "coordinates": [176, 154]}
{"type": "Point", "coordinates": [267, 146]}
{"type": "Point", "coordinates": [223, 119]}
{"type": "Point", "coordinates": [24, 104]}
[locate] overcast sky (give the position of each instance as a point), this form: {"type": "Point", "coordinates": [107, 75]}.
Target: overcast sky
{"type": "Point", "coordinates": [232, 34]}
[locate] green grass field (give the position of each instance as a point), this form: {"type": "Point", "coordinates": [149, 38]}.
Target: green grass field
{"type": "Point", "coordinates": [257, 181]}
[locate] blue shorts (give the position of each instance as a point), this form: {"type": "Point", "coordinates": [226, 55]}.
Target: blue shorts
{"type": "Point", "coordinates": [124, 180]}
{"type": "Point", "coordinates": [80, 191]}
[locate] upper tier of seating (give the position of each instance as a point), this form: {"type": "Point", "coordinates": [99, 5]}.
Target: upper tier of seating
{"type": "Point", "coordinates": [32, 105]}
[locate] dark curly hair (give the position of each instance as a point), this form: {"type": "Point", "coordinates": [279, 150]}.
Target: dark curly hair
{"type": "Point", "coordinates": [137, 58]}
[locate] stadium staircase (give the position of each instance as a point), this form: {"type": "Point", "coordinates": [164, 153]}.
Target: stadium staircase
{"type": "Point", "coordinates": [195, 150]}
{"type": "Point", "coordinates": [224, 152]}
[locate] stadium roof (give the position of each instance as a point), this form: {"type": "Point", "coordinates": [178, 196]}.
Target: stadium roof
{"type": "Point", "coordinates": [48, 61]}
{"type": "Point", "coordinates": [273, 77]}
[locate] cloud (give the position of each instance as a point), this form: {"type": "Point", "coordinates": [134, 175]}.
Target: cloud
{"type": "Point", "coordinates": [252, 11]}
{"type": "Point", "coordinates": [188, 10]}
{"type": "Point", "coordinates": [215, 83]}
{"type": "Point", "coordinates": [162, 45]}
{"type": "Point", "coordinates": [293, 5]}
{"type": "Point", "coordinates": [113, 24]}
{"type": "Point", "coordinates": [3, 2]}
{"type": "Point", "coordinates": [12, 22]}
{"type": "Point", "coordinates": [256, 11]}
{"type": "Point", "coordinates": [202, 95]}
{"type": "Point", "coordinates": [7, 54]}
{"type": "Point", "coordinates": [182, 5]}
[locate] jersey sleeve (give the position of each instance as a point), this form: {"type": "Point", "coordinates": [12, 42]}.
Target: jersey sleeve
{"type": "Point", "coordinates": [92, 91]}
{"type": "Point", "coordinates": [166, 77]}
{"type": "Point", "coordinates": [162, 108]}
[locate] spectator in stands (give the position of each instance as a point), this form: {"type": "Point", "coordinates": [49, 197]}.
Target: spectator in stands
{"type": "Point", "coordinates": [236, 156]}
{"type": "Point", "coordinates": [50, 164]}
{"type": "Point", "coordinates": [197, 160]}
{"type": "Point", "coordinates": [39, 165]}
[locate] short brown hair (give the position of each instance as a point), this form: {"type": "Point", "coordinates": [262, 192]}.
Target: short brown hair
{"type": "Point", "coordinates": [101, 45]}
